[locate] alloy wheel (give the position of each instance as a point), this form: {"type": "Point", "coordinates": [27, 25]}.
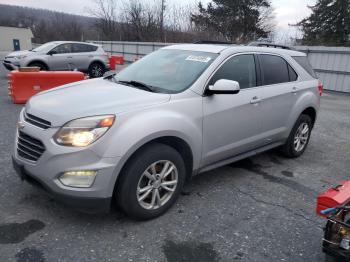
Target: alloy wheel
{"type": "Point", "coordinates": [301, 137]}
{"type": "Point", "coordinates": [157, 184]}
{"type": "Point", "coordinates": [97, 71]}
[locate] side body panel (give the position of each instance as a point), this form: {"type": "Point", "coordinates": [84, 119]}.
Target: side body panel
{"type": "Point", "coordinates": [231, 125]}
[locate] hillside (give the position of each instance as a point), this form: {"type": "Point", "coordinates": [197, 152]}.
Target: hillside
{"type": "Point", "coordinates": [49, 25]}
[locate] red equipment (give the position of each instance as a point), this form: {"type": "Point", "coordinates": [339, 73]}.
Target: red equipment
{"type": "Point", "coordinates": [320, 88]}
{"type": "Point", "coordinates": [115, 60]}
{"type": "Point", "coordinates": [23, 85]}
{"type": "Point", "coordinates": [333, 197]}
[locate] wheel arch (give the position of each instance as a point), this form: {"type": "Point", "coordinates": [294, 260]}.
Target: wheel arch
{"type": "Point", "coordinates": [311, 112]}
{"type": "Point", "coordinates": [177, 143]}
{"type": "Point", "coordinates": [39, 61]}
{"type": "Point", "coordinates": [96, 61]}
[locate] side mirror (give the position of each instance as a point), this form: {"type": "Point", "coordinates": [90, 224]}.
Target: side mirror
{"type": "Point", "coordinates": [224, 86]}
{"type": "Point", "coordinates": [52, 52]}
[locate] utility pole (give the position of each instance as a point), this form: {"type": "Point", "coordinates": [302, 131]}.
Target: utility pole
{"type": "Point", "coordinates": [162, 21]}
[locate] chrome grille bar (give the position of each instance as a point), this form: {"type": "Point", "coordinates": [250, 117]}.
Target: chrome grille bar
{"type": "Point", "coordinates": [36, 121]}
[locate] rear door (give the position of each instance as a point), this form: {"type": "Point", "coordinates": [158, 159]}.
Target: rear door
{"type": "Point", "coordinates": [232, 122]}
{"type": "Point", "coordinates": [82, 55]}
{"type": "Point", "coordinates": [281, 90]}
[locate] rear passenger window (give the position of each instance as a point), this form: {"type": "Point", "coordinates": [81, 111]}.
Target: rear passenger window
{"type": "Point", "coordinates": [274, 69]}
{"type": "Point", "coordinates": [240, 68]}
{"type": "Point", "coordinates": [81, 48]}
{"type": "Point", "coordinates": [292, 75]}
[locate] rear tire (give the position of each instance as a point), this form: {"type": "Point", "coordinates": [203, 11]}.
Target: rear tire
{"type": "Point", "coordinates": [151, 182]}
{"type": "Point", "coordinates": [329, 258]}
{"type": "Point", "coordinates": [299, 137]}
{"type": "Point", "coordinates": [42, 66]}
{"type": "Point", "coordinates": [96, 70]}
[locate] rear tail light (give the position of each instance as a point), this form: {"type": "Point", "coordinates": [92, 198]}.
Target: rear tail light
{"type": "Point", "coordinates": [320, 88]}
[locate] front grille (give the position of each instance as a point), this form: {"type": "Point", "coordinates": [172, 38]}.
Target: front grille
{"type": "Point", "coordinates": [7, 61]}
{"type": "Point", "coordinates": [29, 147]}
{"type": "Point", "coordinates": [36, 121]}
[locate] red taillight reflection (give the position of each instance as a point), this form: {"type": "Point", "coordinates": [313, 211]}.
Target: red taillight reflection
{"type": "Point", "coordinates": [320, 88]}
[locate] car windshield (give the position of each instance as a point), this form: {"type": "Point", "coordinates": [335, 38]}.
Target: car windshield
{"type": "Point", "coordinates": [45, 47]}
{"type": "Point", "coordinates": [167, 71]}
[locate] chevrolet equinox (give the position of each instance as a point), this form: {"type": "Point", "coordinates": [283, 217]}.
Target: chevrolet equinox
{"type": "Point", "coordinates": [137, 136]}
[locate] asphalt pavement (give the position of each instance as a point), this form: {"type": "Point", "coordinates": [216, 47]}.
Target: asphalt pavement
{"type": "Point", "coordinates": [261, 209]}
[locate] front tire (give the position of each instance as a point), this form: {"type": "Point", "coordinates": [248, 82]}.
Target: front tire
{"type": "Point", "coordinates": [299, 137]}
{"type": "Point", "coordinates": [151, 182]}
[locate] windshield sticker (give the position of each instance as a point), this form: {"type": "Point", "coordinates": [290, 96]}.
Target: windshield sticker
{"type": "Point", "coordinates": [202, 59]}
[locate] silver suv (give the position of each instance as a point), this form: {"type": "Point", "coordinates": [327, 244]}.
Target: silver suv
{"type": "Point", "coordinates": [137, 136]}
{"type": "Point", "coordinates": [60, 56]}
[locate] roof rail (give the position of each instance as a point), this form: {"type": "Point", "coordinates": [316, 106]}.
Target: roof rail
{"type": "Point", "coordinates": [267, 44]}
{"type": "Point", "coordinates": [209, 42]}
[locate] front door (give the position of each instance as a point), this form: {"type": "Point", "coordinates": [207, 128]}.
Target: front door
{"type": "Point", "coordinates": [16, 45]}
{"type": "Point", "coordinates": [61, 59]}
{"type": "Point", "coordinates": [232, 122]}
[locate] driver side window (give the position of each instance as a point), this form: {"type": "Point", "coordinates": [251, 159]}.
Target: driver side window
{"type": "Point", "coordinates": [63, 49]}
{"type": "Point", "coordinates": [239, 68]}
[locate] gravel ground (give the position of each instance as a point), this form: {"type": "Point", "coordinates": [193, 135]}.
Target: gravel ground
{"type": "Point", "coordinates": [260, 209]}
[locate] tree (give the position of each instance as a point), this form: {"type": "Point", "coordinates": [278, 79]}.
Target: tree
{"type": "Point", "coordinates": [142, 20]}
{"type": "Point", "coordinates": [328, 24]}
{"type": "Point", "coordinates": [106, 19]}
{"type": "Point", "coordinates": [237, 21]}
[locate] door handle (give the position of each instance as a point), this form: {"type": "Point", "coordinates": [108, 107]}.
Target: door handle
{"type": "Point", "coordinates": [295, 90]}
{"type": "Point", "coordinates": [255, 100]}
{"type": "Point", "coordinates": [69, 56]}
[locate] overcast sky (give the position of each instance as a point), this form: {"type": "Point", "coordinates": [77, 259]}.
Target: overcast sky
{"type": "Point", "coordinates": [286, 11]}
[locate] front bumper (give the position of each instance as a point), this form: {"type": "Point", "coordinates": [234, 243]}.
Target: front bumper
{"type": "Point", "coordinates": [59, 159]}
{"type": "Point", "coordinates": [10, 66]}
{"type": "Point", "coordinates": [84, 204]}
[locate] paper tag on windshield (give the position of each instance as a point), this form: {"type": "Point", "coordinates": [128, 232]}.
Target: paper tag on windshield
{"type": "Point", "coordinates": [202, 59]}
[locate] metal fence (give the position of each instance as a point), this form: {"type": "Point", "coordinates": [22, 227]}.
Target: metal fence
{"type": "Point", "coordinates": [130, 50]}
{"type": "Point", "coordinates": [332, 65]}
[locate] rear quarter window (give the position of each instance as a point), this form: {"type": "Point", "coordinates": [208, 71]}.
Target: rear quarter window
{"type": "Point", "coordinates": [292, 74]}
{"type": "Point", "coordinates": [304, 63]}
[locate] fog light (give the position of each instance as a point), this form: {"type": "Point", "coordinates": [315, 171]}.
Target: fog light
{"type": "Point", "coordinates": [81, 178]}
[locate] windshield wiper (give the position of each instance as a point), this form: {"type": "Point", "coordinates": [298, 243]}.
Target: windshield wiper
{"type": "Point", "coordinates": [138, 84]}
{"type": "Point", "coordinates": [110, 76]}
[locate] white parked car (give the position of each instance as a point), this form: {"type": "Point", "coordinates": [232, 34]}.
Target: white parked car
{"type": "Point", "coordinates": [61, 56]}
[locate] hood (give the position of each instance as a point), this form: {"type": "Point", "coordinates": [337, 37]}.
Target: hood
{"type": "Point", "coordinates": [90, 98]}
{"type": "Point", "coordinates": [19, 53]}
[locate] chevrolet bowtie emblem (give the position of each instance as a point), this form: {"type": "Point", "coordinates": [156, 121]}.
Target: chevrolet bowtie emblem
{"type": "Point", "coordinates": [20, 125]}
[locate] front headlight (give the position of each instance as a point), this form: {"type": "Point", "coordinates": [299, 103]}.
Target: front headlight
{"type": "Point", "coordinates": [84, 131]}
{"type": "Point", "coordinates": [20, 57]}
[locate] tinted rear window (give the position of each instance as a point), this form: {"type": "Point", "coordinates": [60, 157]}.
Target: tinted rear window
{"type": "Point", "coordinates": [274, 69]}
{"type": "Point", "coordinates": [81, 48]}
{"type": "Point", "coordinates": [304, 62]}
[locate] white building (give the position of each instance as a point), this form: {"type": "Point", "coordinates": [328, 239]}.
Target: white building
{"type": "Point", "coordinates": [14, 38]}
